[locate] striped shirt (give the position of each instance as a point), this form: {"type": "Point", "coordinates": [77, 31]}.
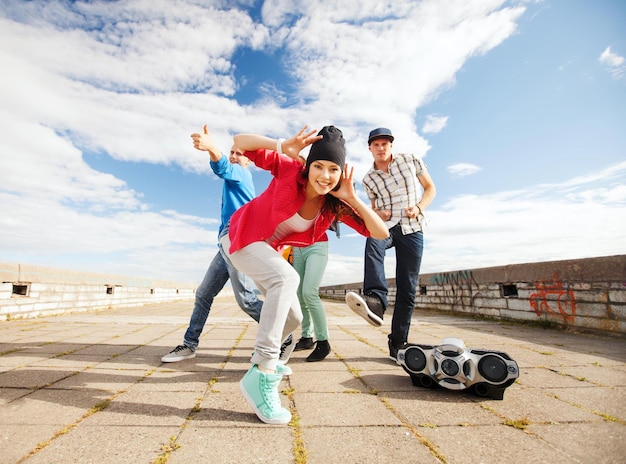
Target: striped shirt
{"type": "Point", "coordinates": [397, 189]}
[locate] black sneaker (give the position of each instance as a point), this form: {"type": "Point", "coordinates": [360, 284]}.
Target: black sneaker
{"type": "Point", "coordinates": [305, 343]}
{"type": "Point", "coordinates": [393, 350]}
{"type": "Point", "coordinates": [286, 349]}
{"type": "Point", "coordinates": [322, 349]}
{"type": "Point", "coordinates": [375, 305]}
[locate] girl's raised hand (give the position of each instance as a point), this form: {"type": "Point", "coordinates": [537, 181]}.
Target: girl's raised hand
{"type": "Point", "coordinates": [302, 139]}
{"type": "Point", "coordinates": [346, 184]}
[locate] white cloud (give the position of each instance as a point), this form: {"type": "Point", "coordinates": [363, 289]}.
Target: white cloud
{"type": "Point", "coordinates": [122, 77]}
{"type": "Point", "coordinates": [613, 62]}
{"type": "Point", "coordinates": [540, 223]}
{"type": "Point", "coordinates": [463, 169]}
{"type": "Point", "coordinates": [434, 124]}
{"type": "Point", "coordinates": [133, 79]}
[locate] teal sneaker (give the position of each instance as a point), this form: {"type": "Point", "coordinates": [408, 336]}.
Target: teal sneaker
{"type": "Point", "coordinates": [261, 392]}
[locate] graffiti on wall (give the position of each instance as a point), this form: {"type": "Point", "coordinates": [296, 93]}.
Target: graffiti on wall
{"type": "Point", "coordinates": [552, 299]}
{"type": "Point", "coordinates": [460, 283]}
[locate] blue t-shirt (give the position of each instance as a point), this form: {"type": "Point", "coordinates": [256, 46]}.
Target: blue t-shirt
{"type": "Point", "coordinates": [238, 187]}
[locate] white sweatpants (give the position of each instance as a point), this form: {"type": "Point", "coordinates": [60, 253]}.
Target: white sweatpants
{"type": "Point", "coordinates": [278, 281]}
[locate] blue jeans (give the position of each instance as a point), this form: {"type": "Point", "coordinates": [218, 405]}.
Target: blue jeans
{"type": "Point", "coordinates": [220, 270]}
{"type": "Point", "coordinates": [409, 250]}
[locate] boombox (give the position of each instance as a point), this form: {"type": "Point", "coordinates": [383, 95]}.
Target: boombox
{"type": "Point", "coordinates": [453, 366]}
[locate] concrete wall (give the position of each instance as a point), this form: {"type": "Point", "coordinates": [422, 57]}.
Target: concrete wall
{"type": "Point", "coordinates": [28, 291]}
{"type": "Point", "coordinates": [581, 293]}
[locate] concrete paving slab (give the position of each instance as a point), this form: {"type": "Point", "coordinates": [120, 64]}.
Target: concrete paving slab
{"type": "Point", "coordinates": [33, 378]}
{"type": "Point", "coordinates": [50, 407]}
{"type": "Point", "coordinates": [601, 443]}
{"type": "Point", "coordinates": [604, 377]}
{"type": "Point", "coordinates": [343, 409]}
{"type": "Point", "coordinates": [147, 408]}
{"type": "Point", "coordinates": [176, 381]}
{"type": "Point", "coordinates": [17, 359]}
{"type": "Point", "coordinates": [108, 380]}
{"type": "Point", "coordinates": [438, 407]}
{"type": "Point", "coordinates": [535, 405]}
{"type": "Point", "coordinates": [47, 350]}
{"type": "Point", "coordinates": [105, 349]}
{"type": "Point", "coordinates": [74, 361]}
{"type": "Point", "coordinates": [327, 382]}
{"type": "Point", "coordinates": [608, 401]}
{"type": "Point", "coordinates": [129, 362]}
{"type": "Point", "coordinates": [228, 445]}
{"type": "Point", "coordinates": [390, 380]}
{"type": "Point", "coordinates": [86, 444]}
{"type": "Point", "coordinates": [332, 364]}
{"type": "Point", "coordinates": [18, 440]}
{"type": "Point", "coordinates": [381, 445]}
{"type": "Point", "coordinates": [547, 378]}
{"type": "Point", "coordinates": [10, 394]}
{"type": "Point", "coordinates": [492, 444]}
{"type": "Point", "coordinates": [69, 384]}
{"type": "Point", "coordinates": [537, 357]}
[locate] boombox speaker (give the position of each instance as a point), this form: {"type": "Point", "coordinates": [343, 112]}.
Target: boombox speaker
{"type": "Point", "coordinates": [453, 366]}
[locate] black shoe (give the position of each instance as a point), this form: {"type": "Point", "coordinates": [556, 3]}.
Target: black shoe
{"type": "Point", "coordinates": [286, 349]}
{"type": "Point", "coordinates": [375, 305]}
{"type": "Point", "coordinates": [322, 348]}
{"type": "Point", "coordinates": [393, 350]}
{"type": "Point", "coordinates": [368, 307]}
{"type": "Point", "coordinates": [305, 343]}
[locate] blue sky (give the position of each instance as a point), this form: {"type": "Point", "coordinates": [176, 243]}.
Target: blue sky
{"type": "Point", "coordinates": [517, 107]}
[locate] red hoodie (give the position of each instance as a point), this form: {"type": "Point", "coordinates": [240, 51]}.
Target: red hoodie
{"type": "Point", "coordinates": [257, 220]}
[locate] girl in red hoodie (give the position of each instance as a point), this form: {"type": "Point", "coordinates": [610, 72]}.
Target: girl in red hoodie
{"type": "Point", "coordinates": [296, 209]}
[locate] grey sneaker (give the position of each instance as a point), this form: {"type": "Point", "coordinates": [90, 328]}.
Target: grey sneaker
{"type": "Point", "coordinates": [368, 307]}
{"type": "Point", "coordinates": [178, 354]}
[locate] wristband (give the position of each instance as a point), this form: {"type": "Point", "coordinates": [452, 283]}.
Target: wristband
{"type": "Point", "coordinates": [420, 213]}
{"type": "Point", "coordinates": [279, 146]}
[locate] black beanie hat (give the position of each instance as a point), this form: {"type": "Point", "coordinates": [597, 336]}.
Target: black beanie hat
{"type": "Point", "coordinates": [331, 148]}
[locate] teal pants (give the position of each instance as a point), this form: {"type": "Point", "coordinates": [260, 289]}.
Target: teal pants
{"type": "Point", "coordinates": [310, 263]}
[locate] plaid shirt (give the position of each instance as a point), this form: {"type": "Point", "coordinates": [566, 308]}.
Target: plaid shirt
{"type": "Point", "coordinates": [397, 190]}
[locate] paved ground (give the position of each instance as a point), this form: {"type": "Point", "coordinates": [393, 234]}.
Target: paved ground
{"type": "Point", "coordinates": [90, 388]}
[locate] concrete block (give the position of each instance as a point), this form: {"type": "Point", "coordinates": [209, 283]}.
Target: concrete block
{"type": "Point", "coordinates": [499, 303]}
{"type": "Point", "coordinates": [518, 304]}
{"type": "Point", "coordinates": [617, 295]}
{"type": "Point", "coordinates": [591, 296]}
{"type": "Point", "coordinates": [598, 310]}
{"type": "Point", "coordinates": [519, 315]}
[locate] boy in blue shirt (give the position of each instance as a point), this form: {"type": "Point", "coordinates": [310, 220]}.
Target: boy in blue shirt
{"type": "Point", "coordinates": [238, 189]}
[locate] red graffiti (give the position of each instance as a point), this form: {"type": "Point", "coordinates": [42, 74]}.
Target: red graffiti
{"type": "Point", "coordinates": [551, 292]}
